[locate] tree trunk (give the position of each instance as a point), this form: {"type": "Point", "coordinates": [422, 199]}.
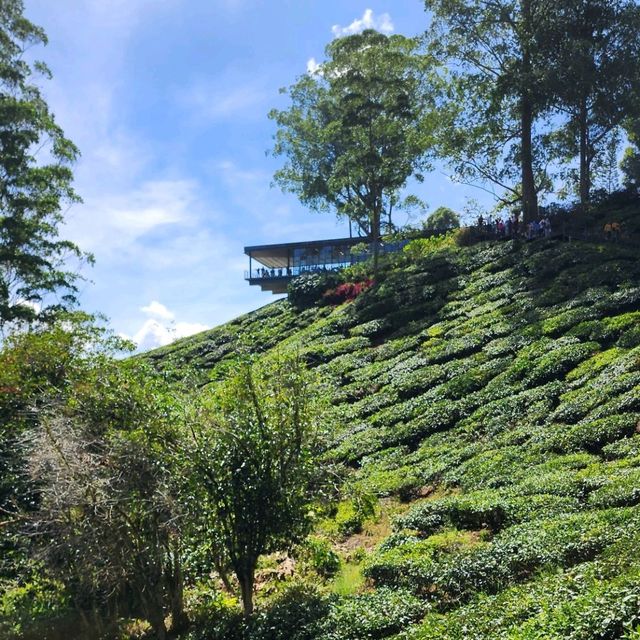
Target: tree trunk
{"type": "Point", "coordinates": [179, 619]}
{"type": "Point", "coordinates": [585, 169]}
{"type": "Point", "coordinates": [156, 620]}
{"type": "Point", "coordinates": [152, 607]}
{"type": "Point", "coordinates": [375, 241]}
{"type": "Point", "coordinates": [529, 195]}
{"type": "Point", "coordinates": [222, 573]}
{"type": "Point", "coordinates": [246, 590]}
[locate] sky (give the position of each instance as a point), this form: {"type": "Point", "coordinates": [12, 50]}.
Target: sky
{"type": "Point", "coordinates": [168, 101]}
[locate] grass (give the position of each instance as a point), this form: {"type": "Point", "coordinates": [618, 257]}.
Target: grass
{"type": "Point", "coordinates": [350, 580]}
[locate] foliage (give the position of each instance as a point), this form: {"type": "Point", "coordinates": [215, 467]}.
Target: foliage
{"type": "Point", "coordinates": [591, 51]}
{"type": "Point", "coordinates": [35, 604]}
{"type": "Point", "coordinates": [351, 514]}
{"type": "Point", "coordinates": [374, 615]}
{"type": "Point", "coordinates": [423, 247]}
{"type": "Point", "coordinates": [321, 556]}
{"type": "Point", "coordinates": [357, 129]}
{"type": "Point", "coordinates": [251, 462]}
{"type": "Point", "coordinates": [630, 163]}
{"type": "Point", "coordinates": [309, 288]}
{"type": "Point", "coordinates": [296, 615]}
{"type": "Point", "coordinates": [38, 370]}
{"type": "Point", "coordinates": [442, 219]}
{"type": "Point", "coordinates": [495, 389]}
{"type": "Point", "coordinates": [346, 292]}
{"type": "Point", "coordinates": [33, 258]}
{"type": "Point", "coordinates": [87, 438]}
{"type": "Point", "coordinates": [107, 497]}
{"type": "Point", "coordinates": [495, 93]}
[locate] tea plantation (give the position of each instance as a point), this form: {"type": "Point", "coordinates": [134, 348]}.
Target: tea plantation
{"type": "Point", "coordinates": [485, 435]}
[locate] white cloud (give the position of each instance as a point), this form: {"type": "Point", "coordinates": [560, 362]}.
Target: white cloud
{"type": "Point", "coordinates": [110, 222]}
{"type": "Point", "coordinates": [218, 99]}
{"type": "Point", "coordinates": [382, 23]}
{"type": "Point", "coordinates": [313, 66]}
{"type": "Point", "coordinates": [157, 309]}
{"type": "Point", "coordinates": [162, 330]}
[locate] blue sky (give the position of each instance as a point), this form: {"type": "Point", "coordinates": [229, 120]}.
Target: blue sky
{"type": "Point", "coordinates": [168, 102]}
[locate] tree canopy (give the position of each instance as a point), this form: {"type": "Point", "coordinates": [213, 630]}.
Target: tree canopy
{"type": "Point", "coordinates": [357, 129]}
{"type": "Point", "coordinates": [592, 50]}
{"type": "Point", "coordinates": [35, 182]}
{"type": "Point", "coordinates": [495, 93]}
{"type": "Point", "coordinates": [442, 219]}
{"type": "Point", "coordinates": [534, 87]}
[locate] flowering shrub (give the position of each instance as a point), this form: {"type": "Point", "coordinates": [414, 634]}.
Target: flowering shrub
{"type": "Point", "coordinates": [346, 292]}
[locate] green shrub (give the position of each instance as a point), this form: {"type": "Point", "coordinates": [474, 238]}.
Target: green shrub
{"type": "Point", "coordinates": [492, 510]}
{"type": "Point", "coordinates": [512, 556]}
{"type": "Point", "coordinates": [422, 248]}
{"type": "Point", "coordinates": [624, 448]}
{"type": "Point", "coordinates": [591, 435]}
{"type": "Point", "coordinates": [352, 513]}
{"type": "Point", "coordinates": [297, 614]}
{"type": "Point", "coordinates": [29, 609]}
{"type": "Point", "coordinates": [621, 490]}
{"type": "Point", "coordinates": [319, 554]}
{"type": "Point", "coordinates": [307, 289]}
{"type": "Point", "coordinates": [597, 599]}
{"type": "Point", "coordinates": [372, 615]}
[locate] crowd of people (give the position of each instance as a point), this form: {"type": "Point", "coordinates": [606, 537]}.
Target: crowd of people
{"type": "Point", "coordinates": [511, 227]}
{"type": "Point", "coordinates": [274, 273]}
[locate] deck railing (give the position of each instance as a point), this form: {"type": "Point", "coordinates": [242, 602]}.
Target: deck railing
{"type": "Point", "coordinates": [274, 274]}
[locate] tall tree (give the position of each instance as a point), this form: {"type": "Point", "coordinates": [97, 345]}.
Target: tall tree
{"type": "Point", "coordinates": [593, 47]}
{"type": "Point", "coordinates": [357, 129]}
{"type": "Point", "coordinates": [35, 182]}
{"type": "Point", "coordinates": [251, 462]}
{"type": "Point", "coordinates": [496, 96]}
{"type": "Point", "coordinates": [630, 163]}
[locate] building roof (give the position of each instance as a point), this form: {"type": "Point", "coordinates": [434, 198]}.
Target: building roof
{"type": "Point", "coordinates": [277, 256]}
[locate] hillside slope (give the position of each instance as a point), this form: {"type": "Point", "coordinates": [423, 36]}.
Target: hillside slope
{"type": "Point", "coordinates": [489, 396]}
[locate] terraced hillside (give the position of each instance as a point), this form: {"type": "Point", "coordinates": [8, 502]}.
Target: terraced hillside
{"type": "Point", "coordinates": [488, 397]}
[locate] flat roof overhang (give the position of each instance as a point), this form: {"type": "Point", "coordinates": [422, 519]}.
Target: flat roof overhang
{"type": "Point", "coordinates": [275, 285]}
{"type": "Point", "coordinates": [278, 256]}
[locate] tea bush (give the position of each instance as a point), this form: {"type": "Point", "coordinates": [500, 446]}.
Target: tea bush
{"type": "Point", "coordinates": [496, 388]}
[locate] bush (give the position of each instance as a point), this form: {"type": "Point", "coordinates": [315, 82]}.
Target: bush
{"type": "Point", "coordinates": [591, 435]}
{"type": "Point", "coordinates": [352, 513]}
{"type": "Point", "coordinates": [483, 509]}
{"type": "Point", "coordinates": [320, 555]}
{"type": "Point", "coordinates": [345, 292]}
{"type": "Point", "coordinates": [27, 610]}
{"type": "Point", "coordinates": [372, 615]}
{"type": "Point", "coordinates": [422, 248]}
{"type": "Point", "coordinates": [307, 289]}
{"type": "Point", "coordinates": [296, 615]}
{"type": "Point", "coordinates": [515, 554]}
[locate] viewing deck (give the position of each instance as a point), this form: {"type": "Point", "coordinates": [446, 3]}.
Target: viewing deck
{"type": "Point", "coordinates": [282, 262]}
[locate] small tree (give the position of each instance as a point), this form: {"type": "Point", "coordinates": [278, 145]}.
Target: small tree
{"type": "Point", "coordinates": [442, 219]}
{"type": "Point", "coordinates": [252, 461]}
